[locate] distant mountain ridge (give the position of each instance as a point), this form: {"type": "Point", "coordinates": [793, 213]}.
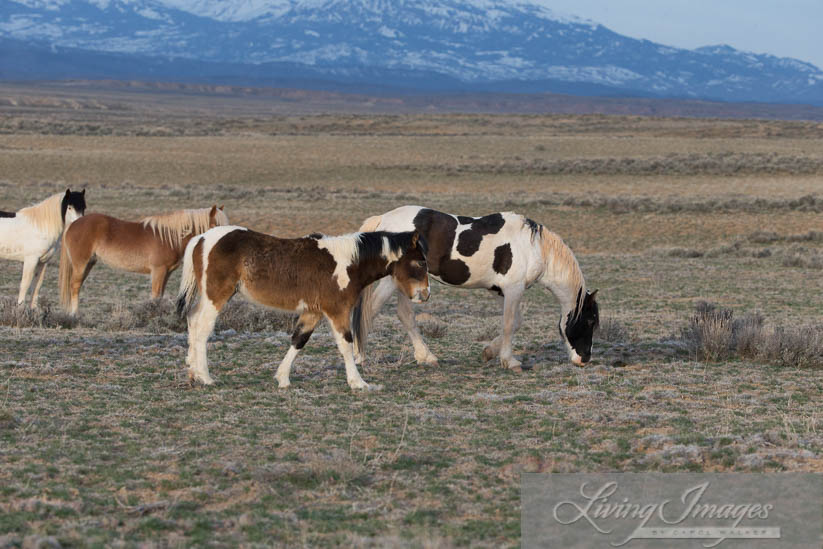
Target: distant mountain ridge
{"type": "Point", "coordinates": [427, 44]}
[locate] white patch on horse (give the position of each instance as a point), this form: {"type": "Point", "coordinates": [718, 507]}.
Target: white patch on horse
{"type": "Point", "coordinates": [343, 250]}
{"type": "Point", "coordinates": [210, 238]}
{"type": "Point", "coordinates": [387, 253]}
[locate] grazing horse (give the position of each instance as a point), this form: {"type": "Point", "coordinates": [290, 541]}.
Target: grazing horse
{"type": "Point", "coordinates": [502, 252]}
{"type": "Point", "coordinates": [316, 276]}
{"type": "Point", "coordinates": [32, 235]}
{"type": "Point", "coordinates": [153, 246]}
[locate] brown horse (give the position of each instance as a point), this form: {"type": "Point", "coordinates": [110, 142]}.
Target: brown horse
{"type": "Point", "coordinates": [153, 246]}
{"type": "Point", "coordinates": [316, 276]}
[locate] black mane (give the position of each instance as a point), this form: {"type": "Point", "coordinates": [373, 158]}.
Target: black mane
{"type": "Point", "coordinates": [370, 244]}
{"type": "Point", "coordinates": [534, 227]}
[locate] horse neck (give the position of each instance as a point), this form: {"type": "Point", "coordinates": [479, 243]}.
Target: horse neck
{"type": "Point", "coordinates": [46, 215]}
{"type": "Point", "coordinates": [184, 241]}
{"type": "Point", "coordinates": [561, 272]}
{"type": "Point", "coordinates": [372, 269]}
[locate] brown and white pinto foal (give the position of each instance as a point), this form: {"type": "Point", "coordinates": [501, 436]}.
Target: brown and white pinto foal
{"type": "Point", "coordinates": [316, 276]}
{"type": "Point", "coordinates": [153, 245]}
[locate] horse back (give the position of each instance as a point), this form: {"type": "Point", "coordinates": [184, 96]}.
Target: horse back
{"type": "Point", "coordinates": [284, 273]}
{"type": "Point", "coordinates": [122, 244]}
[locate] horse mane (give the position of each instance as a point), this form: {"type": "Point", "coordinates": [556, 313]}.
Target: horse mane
{"type": "Point", "coordinates": [560, 262]}
{"type": "Point", "coordinates": [46, 215]}
{"type": "Point", "coordinates": [173, 227]}
{"type": "Point", "coordinates": [386, 244]}
{"type": "Point", "coordinates": [358, 247]}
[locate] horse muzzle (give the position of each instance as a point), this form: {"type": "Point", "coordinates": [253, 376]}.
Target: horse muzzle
{"type": "Point", "coordinates": [579, 361]}
{"type": "Point", "coordinates": [421, 296]}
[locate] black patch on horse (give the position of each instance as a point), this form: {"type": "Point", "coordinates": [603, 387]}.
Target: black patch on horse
{"type": "Point", "coordinates": [580, 330]}
{"type": "Point", "coordinates": [497, 289]}
{"type": "Point", "coordinates": [454, 272]}
{"type": "Point", "coordinates": [439, 230]}
{"type": "Point", "coordinates": [78, 200]}
{"type": "Point", "coordinates": [315, 236]}
{"type": "Point", "coordinates": [469, 241]}
{"type": "Point", "coordinates": [502, 259]}
{"type": "Point", "coordinates": [465, 220]}
{"type": "Point", "coordinates": [300, 338]}
{"type": "Point", "coordinates": [8, 214]}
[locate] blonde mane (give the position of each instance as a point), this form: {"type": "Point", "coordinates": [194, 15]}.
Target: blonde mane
{"type": "Point", "coordinates": [561, 264]}
{"type": "Point", "coordinates": [46, 215]}
{"type": "Point", "coordinates": [173, 227]}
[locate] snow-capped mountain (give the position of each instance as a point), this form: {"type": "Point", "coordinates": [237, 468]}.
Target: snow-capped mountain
{"type": "Point", "coordinates": [486, 44]}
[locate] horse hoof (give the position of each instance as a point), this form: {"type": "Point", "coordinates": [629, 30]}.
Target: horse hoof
{"type": "Point", "coordinates": [512, 364]}
{"type": "Point", "coordinates": [357, 384]}
{"type": "Point", "coordinates": [488, 353]}
{"type": "Point", "coordinates": [205, 380]}
{"type": "Point", "coordinates": [428, 360]}
{"type": "Point", "coordinates": [283, 385]}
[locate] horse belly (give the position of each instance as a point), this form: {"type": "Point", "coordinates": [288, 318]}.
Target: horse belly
{"type": "Point", "coordinates": [126, 260]}
{"type": "Point", "coordinates": [274, 296]}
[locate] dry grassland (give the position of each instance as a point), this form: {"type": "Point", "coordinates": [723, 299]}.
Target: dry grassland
{"type": "Point", "coordinates": [103, 441]}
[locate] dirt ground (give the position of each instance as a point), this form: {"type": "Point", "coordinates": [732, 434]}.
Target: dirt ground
{"type": "Point", "coordinates": [103, 442]}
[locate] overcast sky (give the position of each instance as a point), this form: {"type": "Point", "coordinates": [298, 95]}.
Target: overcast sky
{"type": "Point", "coordinates": [786, 28]}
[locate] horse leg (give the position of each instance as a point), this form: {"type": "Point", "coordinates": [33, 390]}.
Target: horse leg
{"type": "Point", "coordinates": [405, 312]}
{"type": "Point", "coordinates": [511, 321]}
{"type": "Point", "coordinates": [29, 265]}
{"type": "Point", "coordinates": [492, 350]}
{"type": "Point", "coordinates": [159, 277]}
{"type": "Point", "coordinates": [305, 326]}
{"type": "Point", "coordinates": [80, 272]}
{"type": "Point", "coordinates": [383, 291]}
{"type": "Point", "coordinates": [341, 329]}
{"type": "Point", "coordinates": [201, 323]}
{"type": "Point", "coordinates": [40, 276]}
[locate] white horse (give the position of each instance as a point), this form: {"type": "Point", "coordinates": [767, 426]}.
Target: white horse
{"type": "Point", "coordinates": [502, 252]}
{"type": "Point", "coordinates": [32, 235]}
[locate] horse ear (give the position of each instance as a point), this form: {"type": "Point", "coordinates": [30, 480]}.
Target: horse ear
{"type": "Point", "coordinates": [591, 295]}
{"type": "Point", "coordinates": [213, 210]}
{"type": "Point", "coordinates": [68, 192]}
{"type": "Point", "coordinates": [83, 192]}
{"type": "Point", "coordinates": [415, 238]}
{"type": "Point", "coordinates": [221, 207]}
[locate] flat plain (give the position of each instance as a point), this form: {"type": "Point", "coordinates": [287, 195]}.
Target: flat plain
{"type": "Point", "coordinates": [104, 442]}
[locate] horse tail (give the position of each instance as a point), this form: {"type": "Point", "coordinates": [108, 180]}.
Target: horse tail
{"type": "Point", "coordinates": [188, 280]}
{"type": "Point", "coordinates": [66, 272]}
{"type": "Point", "coordinates": [371, 224]}
{"type": "Point", "coordinates": [362, 313]}
{"type": "Point", "coordinates": [361, 320]}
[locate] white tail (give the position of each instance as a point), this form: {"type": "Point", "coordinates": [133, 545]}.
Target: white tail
{"type": "Point", "coordinates": [188, 280]}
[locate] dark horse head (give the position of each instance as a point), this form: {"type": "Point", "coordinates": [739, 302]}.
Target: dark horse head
{"type": "Point", "coordinates": [73, 206]}
{"type": "Point", "coordinates": [411, 272]}
{"type": "Point", "coordinates": [579, 330]}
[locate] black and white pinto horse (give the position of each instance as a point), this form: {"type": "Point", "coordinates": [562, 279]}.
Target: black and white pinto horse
{"type": "Point", "coordinates": [32, 235]}
{"type": "Point", "coordinates": [502, 252]}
